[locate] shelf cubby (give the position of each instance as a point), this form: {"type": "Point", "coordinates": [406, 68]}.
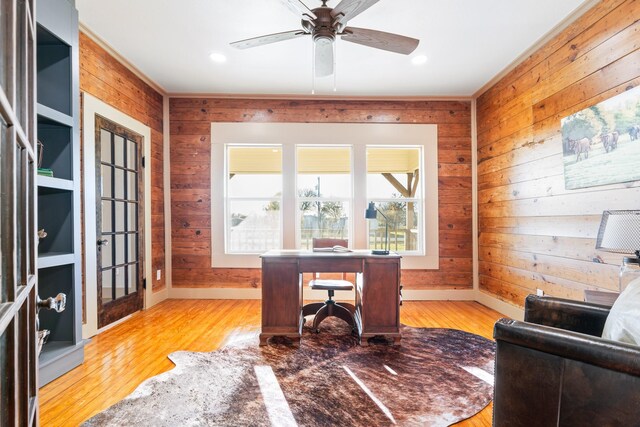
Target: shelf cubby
{"type": "Point", "coordinates": [57, 153]}
{"type": "Point", "coordinates": [55, 215]}
{"type": "Point", "coordinates": [51, 281]}
{"type": "Point", "coordinates": [54, 72]}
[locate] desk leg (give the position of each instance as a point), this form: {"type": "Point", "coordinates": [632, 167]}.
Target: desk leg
{"type": "Point", "coordinates": [281, 299]}
{"type": "Point", "coordinates": [377, 300]}
{"type": "Point", "coordinates": [263, 339]}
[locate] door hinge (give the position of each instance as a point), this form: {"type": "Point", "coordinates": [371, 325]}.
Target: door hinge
{"type": "Point", "coordinates": [144, 283]}
{"type": "Point", "coordinates": [143, 161]}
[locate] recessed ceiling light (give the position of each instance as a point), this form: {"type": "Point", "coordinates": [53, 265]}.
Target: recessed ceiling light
{"type": "Point", "coordinates": [218, 57]}
{"type": "Point", "coordinates": [419, 59]}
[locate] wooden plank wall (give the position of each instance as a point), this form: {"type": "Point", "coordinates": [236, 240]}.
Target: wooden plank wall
{"type": "Point", "coordinates": [191, 192]}
{"type": "Point", "coordinates": [532, 232]}
{"type": "Point", "coordinates": [104, 77]}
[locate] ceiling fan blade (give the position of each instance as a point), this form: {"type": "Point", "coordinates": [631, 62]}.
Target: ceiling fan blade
{"type": "Point", "coordinates": [348, 9]}
{"type": "Point", "coordinates": [299, 9]}
{"type": "Point", "coordinates": [323, 60]}
{"type": "Point", "coordinates": [380, 40]}
{"type": "Point", "coordinates": [270, 38]}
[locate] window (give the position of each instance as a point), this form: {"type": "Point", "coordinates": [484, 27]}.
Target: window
{"type": "Point", "coordinates": [394, 184]}
{"type": "Point", "coordinates": [253, 222]}
{"type": "Point", "coordinates": [279, 185]}
{"type": "Point", "coordinates": [324, 189]}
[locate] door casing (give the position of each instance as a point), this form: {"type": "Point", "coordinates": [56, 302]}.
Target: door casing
{"type": "Point", "coordinates": [91, 107]}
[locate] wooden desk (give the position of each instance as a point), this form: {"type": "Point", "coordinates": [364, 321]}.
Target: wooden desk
{"type": "Point", "coordinates": [377, 291]}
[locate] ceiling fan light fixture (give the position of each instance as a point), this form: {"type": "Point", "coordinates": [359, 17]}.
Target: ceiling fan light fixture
{"type": "Point", "coordinates": [323, 57]}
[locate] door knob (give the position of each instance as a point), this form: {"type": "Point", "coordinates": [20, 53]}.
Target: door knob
{"type": "Point", "coordinates": [103, 242]}
{"type": "Point", "coordinates": [57, 303]}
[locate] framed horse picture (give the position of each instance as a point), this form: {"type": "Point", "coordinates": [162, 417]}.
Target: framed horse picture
{"type": "Point", "coordinates": [601, 144]}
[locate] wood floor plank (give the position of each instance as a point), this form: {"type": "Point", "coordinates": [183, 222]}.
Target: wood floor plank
{"type": "Point", "coordinates": [119, 359]}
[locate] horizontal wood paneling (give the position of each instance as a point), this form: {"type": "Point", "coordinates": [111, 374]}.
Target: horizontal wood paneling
{"type": "Point", "coordinates": [104, 77]}
{"type": "Point", "coordinates": [191, 188]}
{"type": "Point", "coordinates": [535, 234]}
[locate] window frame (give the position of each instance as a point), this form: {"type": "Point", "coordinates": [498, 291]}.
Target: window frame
{"type": "Point", "coordinates": [227, 197]}
{"type": "Point", "coordinates": [322, 199]}
{"type": "Point", "coordinates": [419, 198]}
{"type": "Point", "coordinates": [357, 135]}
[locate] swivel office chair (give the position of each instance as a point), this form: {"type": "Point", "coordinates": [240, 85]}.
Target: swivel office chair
{"type": "Point", "coordinates": [330, 307]}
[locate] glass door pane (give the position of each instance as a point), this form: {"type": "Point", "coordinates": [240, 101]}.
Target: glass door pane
{"type": "Point", "coordinates": [119, 206]}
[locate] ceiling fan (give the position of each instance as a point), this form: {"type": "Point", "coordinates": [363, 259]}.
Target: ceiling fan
{"type": "Point", "coordinates": [324, 24]}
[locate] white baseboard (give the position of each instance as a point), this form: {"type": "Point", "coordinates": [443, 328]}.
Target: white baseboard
{"type": "Point", "coordinates": [156, 298]}
{"type": "Point", "coordinates": [215, 293]}
{"type": "Point", "coordinates": [509, 310]}
{"type": "Point", "coordinates": [253, 293]}
{"type": "Point", "coordinates": [407, 295]}
{"type": "Point", "coordinates": [438, 295]}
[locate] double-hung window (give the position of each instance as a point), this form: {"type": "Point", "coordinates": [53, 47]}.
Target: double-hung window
{"type": "Point", "coordinates": [324, 192]}
{"type": "Point", "coordinates": [253, 223]}
{"type": "Point", "coordinates": [394, 184]}
{"type": "Point", "coordinates": [279, 185]}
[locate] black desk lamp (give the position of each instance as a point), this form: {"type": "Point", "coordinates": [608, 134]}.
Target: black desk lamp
{"type": "Point", "coordinates": [371, 213]}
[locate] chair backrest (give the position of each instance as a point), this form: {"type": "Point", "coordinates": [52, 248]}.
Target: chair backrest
{"type": "Point", "coordinates": [321, 242]}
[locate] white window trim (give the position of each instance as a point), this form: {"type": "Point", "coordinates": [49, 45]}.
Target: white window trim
{"type": "Point", "coordinates": [359, 136]}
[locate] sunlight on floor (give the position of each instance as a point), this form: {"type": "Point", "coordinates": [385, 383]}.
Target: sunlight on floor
{"type": "Point", "coordinates": [277, 406]}
{"type": "Point", "coordinates": [480, 373]}
{"type": "Point", "coordinates": [369, 393]}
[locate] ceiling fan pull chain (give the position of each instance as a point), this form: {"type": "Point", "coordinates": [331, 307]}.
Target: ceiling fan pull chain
{"type": "Point", "coordinates": [335, 65]}
{"type": "Point", "coordinates": [313, 67]}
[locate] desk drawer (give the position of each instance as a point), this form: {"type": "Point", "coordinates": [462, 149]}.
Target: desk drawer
{"type": "Point", "coordinates": [331, 265]}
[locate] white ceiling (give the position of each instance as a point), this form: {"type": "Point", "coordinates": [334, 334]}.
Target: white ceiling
{"type": "Point", "coordinates": [467, 43]}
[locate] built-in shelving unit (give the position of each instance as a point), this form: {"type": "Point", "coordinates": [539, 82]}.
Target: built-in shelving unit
{"type": "Point", "coordinates": [59, 257]}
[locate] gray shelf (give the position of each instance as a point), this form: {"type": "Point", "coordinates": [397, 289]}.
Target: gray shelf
{"type": "Point", "coordinates": [53, 183]}
{"type": "Point", "coordinates": [58, 113]}
{"type": "Point", "coordinates": [55, 259]}
{"type": "Point", "coordinates": [54, 115]}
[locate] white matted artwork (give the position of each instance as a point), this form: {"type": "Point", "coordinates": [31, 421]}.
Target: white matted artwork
{"type": "Point", "coordinates": [601, 144]}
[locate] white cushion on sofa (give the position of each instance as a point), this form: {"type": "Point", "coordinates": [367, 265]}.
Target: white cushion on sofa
{"type": "Point", "coordinates": [623, 322]}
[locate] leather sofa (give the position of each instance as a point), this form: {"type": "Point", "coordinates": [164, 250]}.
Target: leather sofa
{"type": "Point", "coordinates": [553, 369]}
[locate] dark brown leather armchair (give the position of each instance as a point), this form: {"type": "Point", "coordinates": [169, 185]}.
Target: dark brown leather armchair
{"type": "Point", "coordinates": [553, 369]}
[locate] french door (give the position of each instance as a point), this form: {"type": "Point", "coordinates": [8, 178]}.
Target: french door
{"type": "Point", "coordinates": [18, 279]}
{"type": "Point", "coordinates": [119, 219]}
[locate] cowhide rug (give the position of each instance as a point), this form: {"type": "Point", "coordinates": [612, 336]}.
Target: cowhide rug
{"type": "Point", "coordinates": [435, 378]}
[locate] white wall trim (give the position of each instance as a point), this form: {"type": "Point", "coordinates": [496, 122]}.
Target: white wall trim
{"type": "Point", "coordinates": [256, 293]}
{"type": "Point", "coordinates": [474, 195]}
{"type": "Point", "coordinates": [215, 293]}
{"type": "Point", "coordinates": [166, 155]}
{"type": "Point", "coordinates": [92, 106]}
{"type": "Point", "coordinates": [157, 297]}
{"type": "Point", "coordinates": [500, 306]}
{"type": "Point", "coordinates": [297, 96]}
{"type": "Point", "coordinates": [121, 59]}
{"type": "Point", "coordinates": [438, 295]}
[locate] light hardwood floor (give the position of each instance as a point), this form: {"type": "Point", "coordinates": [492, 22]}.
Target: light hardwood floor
{"type": "Point", "coordinates": [119, 359]}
